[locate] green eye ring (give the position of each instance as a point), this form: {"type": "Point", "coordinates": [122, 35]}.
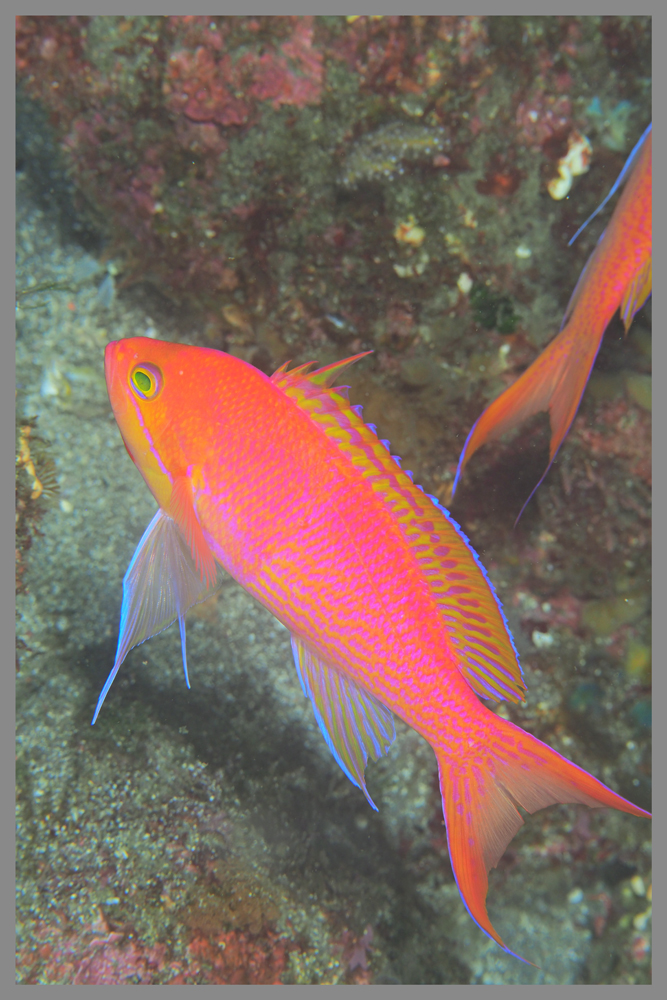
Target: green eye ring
{"type": "Point", "coordinates": [146, 381]}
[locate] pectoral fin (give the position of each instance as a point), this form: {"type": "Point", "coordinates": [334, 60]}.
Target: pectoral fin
{"type": "Point", "coordinates": [161, 583]}
{"type": "Point", "coordinates": [637, 293]}
{"type": "Point", "coordinates": [182, 509]}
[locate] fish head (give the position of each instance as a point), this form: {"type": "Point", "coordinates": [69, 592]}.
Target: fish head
{"type": "Point", "coordinates": [150, 386]}
{"type": "Point", "coordinates": [176, 404]}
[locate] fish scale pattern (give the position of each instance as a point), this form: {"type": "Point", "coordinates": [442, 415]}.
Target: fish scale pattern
{"type": "Point", "coordinates": [470, 609]}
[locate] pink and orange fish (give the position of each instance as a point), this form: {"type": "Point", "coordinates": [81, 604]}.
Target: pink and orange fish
{"type": "Point", "coordinates": [281, 482]}
{"type": "Point", "coordinates": [618, 275]}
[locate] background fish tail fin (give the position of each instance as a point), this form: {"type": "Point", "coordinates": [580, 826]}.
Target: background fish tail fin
{"type": "Point", "coordinates": [532, 393]}
{"type": "Point", "coordinates": [555, 382]}
{"type": "Point", "coordinates": [481, 795]}
{"type": "Point", "coordinates": [578, 353]}
{"type": "Point", "coordinates": [576, 363]}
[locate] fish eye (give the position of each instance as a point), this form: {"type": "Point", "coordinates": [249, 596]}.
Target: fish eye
{"type": "Point", "coordinates": [146, 381]}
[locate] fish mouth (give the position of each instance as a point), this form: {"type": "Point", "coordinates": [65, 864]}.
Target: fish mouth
{"type": "Point", "coordinates": [118, 355]}
{"type": "Point", "coordinates": [111, 362]}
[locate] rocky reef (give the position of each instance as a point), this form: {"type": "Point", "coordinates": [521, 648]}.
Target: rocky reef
{"type": "Point", "coordinates": [307, 188]}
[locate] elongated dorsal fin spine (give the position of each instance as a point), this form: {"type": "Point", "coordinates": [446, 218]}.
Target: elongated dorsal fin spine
{"type": "Point", "coordinates": [323, 378]}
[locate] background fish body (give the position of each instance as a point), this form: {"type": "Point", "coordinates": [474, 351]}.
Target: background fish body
{"type": "Point", "coordinates": [390, 611]}
{"type": "Point", "coordinates": [620, 266]}
{"type": "Point", "coordinates": [618, 275]}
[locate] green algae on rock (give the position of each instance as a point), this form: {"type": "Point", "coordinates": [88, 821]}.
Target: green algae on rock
{"type": "Point", "coordinates": [383, 154]}
{"type": "Point", "coordinates": [604, 617]}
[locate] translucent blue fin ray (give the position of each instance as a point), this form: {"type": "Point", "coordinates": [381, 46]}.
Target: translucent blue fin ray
{"type": "Point", "coordinates": [161, 583]}
{"type": "Point", "coordinates": [354, 724]}
{"type": "Point", "coordinates": [181, 626]}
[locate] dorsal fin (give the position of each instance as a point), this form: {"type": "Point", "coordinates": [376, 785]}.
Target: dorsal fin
{"type": "Point", "coordinates": [323, 378]}
{"type": "Point", "coordinates": [459, 584]}
{"type": "Point", "coordinates": [629, 163]}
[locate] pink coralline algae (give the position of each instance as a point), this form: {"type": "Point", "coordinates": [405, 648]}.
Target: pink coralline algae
{"type": "Point", "coordinates": [209, 86]}
{"type": "Point", "coordinates": [355, 955]}
{"type": "Point", "coordinates": [622, 431]}
{"type": "Point", "coordinates": [98, 957]}
{"type": "Point", "coordinates": [234, 958]}
{"type": "Point", "coordinates": [106, 962]}
{"type": "Point", "coordinates": [275, 80]}
{"type": "Point", "coordinates": [199, 88]}
{"type": "Point", "coordinates": [174, 94]}
{"type": "Point", "coordinates": [389, 53]}
{"type": "Point", "coordinates": [542, 115]}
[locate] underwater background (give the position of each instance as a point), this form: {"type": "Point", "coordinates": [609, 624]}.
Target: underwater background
{"type": "Point", "coordinates": [309, 188]}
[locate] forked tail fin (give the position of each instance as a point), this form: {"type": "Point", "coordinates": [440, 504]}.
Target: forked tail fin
{"type": "Point", "coordinates": [555, 382]}
{"type": "Point", "coordinates": [480, 795]}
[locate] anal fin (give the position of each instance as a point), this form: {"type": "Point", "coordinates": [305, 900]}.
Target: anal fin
{"type": "Point", "coordinates": [354, 723]}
